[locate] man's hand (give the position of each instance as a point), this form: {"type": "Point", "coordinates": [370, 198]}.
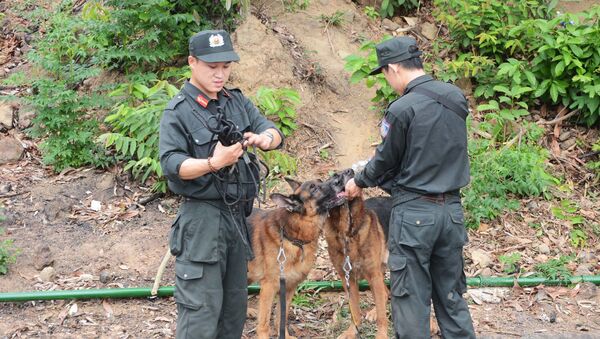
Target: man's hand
{"type": "Point", "coordinates": [352, 191]}
{"type": "Point", "coordinates": [262, 141]}
{"type": "Point", "coordinates": [226, 155]}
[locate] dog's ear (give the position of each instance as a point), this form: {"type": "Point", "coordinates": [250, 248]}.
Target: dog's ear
{"type": "Point", "coordinates": [293, 183]}
{"type": "Point", "coordinates": [289, 203]}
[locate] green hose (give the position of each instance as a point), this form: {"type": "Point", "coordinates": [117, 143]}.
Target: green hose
{"type": "Point", "coordinates": [167, 291]}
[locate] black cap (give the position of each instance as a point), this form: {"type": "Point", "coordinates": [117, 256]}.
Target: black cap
{"type": "Point", "coordinates": [395, 50]}
{"type": "Point", "coordinates": [213, 46]}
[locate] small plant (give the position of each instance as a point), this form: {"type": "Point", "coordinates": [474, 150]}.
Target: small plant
{"type": "Point", "coordinates": [555, 268]}
{"type": "Point", "coordinates": [511, 262]}
{"type": "Point", "coordinates": [324, 154]}
{"type": "Point", "coordinates": [389, 7]}
{"type": "Point", "coordinates": [336, 19]}
{"type": "Point", "coordinates": [280, 106]}
{"type": "Point", "coordinates": [371, 12]}
{"type": "Point", "coordinates": [295, 5]}
{"type": "Point", "coordinates": [595, 165]}
{"type": "Point", "coordinates": [360, 67]}
{"type": "Point", "coordinates": [280, 164]}
{"type": "Point", "coordinates": [501, 174]}
{"type": "Point", "coordinates": [16, 79]}
{"type": "Point", "coordinates": [8, 253]}
{"type": "Point", "coordinates": [567, 211]}
{"type": "Point", "coordinates": [135, 122]}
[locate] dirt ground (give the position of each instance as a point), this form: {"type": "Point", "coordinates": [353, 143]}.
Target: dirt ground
{"type": "Point", "coordinates": [121, 243]}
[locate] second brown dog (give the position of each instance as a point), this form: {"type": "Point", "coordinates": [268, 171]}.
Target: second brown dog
{"type": "Point", "coordinates": [352, 230]}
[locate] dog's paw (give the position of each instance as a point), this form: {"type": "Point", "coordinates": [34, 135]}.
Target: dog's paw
{"type": "Point", "coordinates": [372, 315]}
{"type": "Point", "coordinates": [350, 333]}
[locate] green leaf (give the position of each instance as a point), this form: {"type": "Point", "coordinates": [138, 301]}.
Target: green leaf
{"type": "Point", "coordinates": [559, 68]}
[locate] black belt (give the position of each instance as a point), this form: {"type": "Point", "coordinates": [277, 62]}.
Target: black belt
{"type": "Point", "coordinates": [439, 197]}
{"type": "Point", "coordinates": [402, 196]}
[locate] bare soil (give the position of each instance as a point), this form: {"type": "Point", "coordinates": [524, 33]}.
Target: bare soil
{"type": "Point", "coordinates": [121, 244]}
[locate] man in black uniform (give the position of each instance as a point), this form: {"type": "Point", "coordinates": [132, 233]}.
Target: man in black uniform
{"type": "Point", "coordinates": [422, 161]}
{"type": "Point", "coordinates": [203, 135]}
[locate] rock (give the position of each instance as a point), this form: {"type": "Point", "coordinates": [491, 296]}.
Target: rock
{"type": "Point", "coordinates": [47, 274]}
{"type": "Point", "coordinates": [481, 258]}
{"type": "Point", "coordinates": [43, 258]}
{"type": "Point", "coordinates": [584, 269]}
{"type": "Point", "coordinates": [586, 256]}
{"type": "Point", "coordinates": [104, 276]}
{"type": "Point", "coordinates": [489, 295]}
{"type": "Point", "coordinates": [429, 30]}
{"type": "Point", "coordinates": [487, 272]}
{"type": "Point", "coordinates": [11, 150]}
{"type": "Point", "coordinates": [568, 143]}
{"type": "Point", "coordinates": [389, 25]}
{"type": "Point", "coordinates": [26, 115]}
{"type": "Point", "coordinates": [544, 249]}
{"type": "Point", "coordinates": [564, 135]}
{"type": "Point", "coordinates": [5, 188]}
{"type": "Point", "coordinates": [6, 115]}
{"type": "Point", "coordinates": [411, 21]}
{"type": "Point", "coordinates": [587, 291]}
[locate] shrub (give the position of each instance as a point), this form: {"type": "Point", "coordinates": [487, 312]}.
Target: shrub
{"type": "Point", "coordinates": [135, 124]}
{"type": "Point", "coordinates": [279, 105]}
{"type": "Point", "coordinates": [559, 57]}
{"type": "Point", "coordinates": [360, 67]}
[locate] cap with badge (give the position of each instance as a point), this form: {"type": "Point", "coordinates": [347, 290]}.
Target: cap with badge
{"type": "Point", "coordinates": [213, 46]}
{"type": "Point", "coordinates": [395, 50]}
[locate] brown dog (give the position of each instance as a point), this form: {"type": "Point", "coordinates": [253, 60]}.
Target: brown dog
{"type": "Point", "coordinates": [296, 224]}
{"type": "Point", "coordinates": [354, 231]}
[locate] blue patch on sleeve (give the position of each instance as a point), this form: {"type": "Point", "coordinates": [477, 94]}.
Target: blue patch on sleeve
{"type": "Point", "coordinates": [384, 128]}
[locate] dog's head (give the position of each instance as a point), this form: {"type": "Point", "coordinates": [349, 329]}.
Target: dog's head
{"type": "Point", "coordinates": [307, 198]}
{"type": "Point", "coordinates": [335, 186]}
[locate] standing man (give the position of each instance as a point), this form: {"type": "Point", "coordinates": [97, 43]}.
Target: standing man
{"type": "Point", "coordinates": [423, 158]}
{"type": "Point", "coordinates": [203, 135]}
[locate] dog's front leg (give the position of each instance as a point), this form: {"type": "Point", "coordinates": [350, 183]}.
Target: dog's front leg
{"type": "Point", "coordinates": [265, 303]}
{"type": "Point", "coordinates": [379, 291]}
{"type": "Point", "coordinates": [355, 316]}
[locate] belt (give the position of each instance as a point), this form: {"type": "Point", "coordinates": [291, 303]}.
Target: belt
{"type": "Point", "coordinates": [402, 196]}
{"type": "Point", "coordinates": [439, 198]}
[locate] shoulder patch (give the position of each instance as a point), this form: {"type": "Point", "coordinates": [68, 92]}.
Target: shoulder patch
{"type": "Point", "coordinates": [384, 128]}
{"type": "Point", "coordinates": [177, 99]}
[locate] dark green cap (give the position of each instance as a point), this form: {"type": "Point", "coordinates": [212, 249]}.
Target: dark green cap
{"type": "Point", "coordinates": [213, 46]}
{"type": "Point", "coordinates": [395, 50]}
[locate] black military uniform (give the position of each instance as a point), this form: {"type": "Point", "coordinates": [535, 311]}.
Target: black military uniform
{"type": "Point", "coordinates": [208, 236]}
{"type": "Point", "coordinates": [423, 162]}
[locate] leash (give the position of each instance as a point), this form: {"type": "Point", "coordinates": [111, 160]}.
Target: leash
{"type": "Point", "coordinates": [347, 268]}
{"type": "Point", "coordinates": [281, 258]}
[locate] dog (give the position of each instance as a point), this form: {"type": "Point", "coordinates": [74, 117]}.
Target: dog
{"type": "Point", "coordinates": [296, 225]}
{"type": "Point", "coordinates": [352, 229]}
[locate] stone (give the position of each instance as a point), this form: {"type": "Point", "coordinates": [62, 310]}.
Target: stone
{"type": "Point", "coordinates": [390, 25]}
{"type": "Point", "coordinates": [481, 258]}
{"type": "Point", "coordinates": [11, 150]}
{"type": "Point", "coordinates": [429, 30]}
{"type": "Point", "coordinates": [26, 115]}
{"type": "Point", "coordinates": [544, 249]}
{"type": "Point", "coordinates": [104, 276]}
{"type": "Point", "coordinates": [43, 258]}
{"type": "Point", "coordinates": [6, 115]}
{"type": "Point", "coordinates": [47, 274]}
{"type": "Point", "coordinates": [587, 291]}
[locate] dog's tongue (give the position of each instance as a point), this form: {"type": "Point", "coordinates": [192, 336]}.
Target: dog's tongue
{"type": "Point", "coordinates": [342, 194]}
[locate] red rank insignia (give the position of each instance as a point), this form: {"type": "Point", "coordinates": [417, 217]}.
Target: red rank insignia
{"type": "Point", "coordinates": [202, 101]}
